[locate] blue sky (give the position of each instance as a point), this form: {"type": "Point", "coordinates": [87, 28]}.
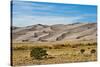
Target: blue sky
{"type": "Point", "coordinates": [26, 13]}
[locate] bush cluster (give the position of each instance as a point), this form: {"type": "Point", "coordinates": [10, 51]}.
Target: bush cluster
{"type": "Point", "coordinates": [38, 53]}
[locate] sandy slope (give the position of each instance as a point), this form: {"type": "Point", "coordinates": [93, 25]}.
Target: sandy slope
{"type": "Point", "coordinates": [58, 32]}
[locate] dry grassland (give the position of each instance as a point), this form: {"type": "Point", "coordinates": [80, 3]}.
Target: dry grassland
{"type": "Point", "coordinates": [59, 52]}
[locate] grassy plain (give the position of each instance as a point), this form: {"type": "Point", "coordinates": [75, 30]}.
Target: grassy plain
{"type": "Point", "coordinates": [58, 52]}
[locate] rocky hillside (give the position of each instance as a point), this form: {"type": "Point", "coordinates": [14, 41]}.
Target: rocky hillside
{"type": "Point", "coordinates": [57, 32]}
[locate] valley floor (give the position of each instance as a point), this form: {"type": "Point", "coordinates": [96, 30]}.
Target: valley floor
{"type": "Point", "coordinates": [57, 53]}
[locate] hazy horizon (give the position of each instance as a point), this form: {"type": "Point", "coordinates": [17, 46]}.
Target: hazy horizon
{"type": "Point", "coordinates": [26, 13]}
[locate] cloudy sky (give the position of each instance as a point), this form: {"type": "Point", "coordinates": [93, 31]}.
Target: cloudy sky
{"type": "Point", "coordinates": [26, 13]}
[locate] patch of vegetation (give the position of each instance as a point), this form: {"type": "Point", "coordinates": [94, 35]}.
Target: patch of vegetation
{"type": "Point", "coordinates": [93, 51]}
{"type": "Point", "coordinates": [20, 48]}
{"type": "Point", "coordinates": [58, 46]}
{"type": "Point", "coordinates": [95, 43]}
{"type": "Point", "coordinates": [82, 51]}
{"type": "Point", "coordinates": [90, 44]}
{"type": "Point", "coordinates": [38, 53]}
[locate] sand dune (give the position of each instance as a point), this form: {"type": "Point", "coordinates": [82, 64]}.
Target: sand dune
{"type": "Point", "coordinates": [57, 32]}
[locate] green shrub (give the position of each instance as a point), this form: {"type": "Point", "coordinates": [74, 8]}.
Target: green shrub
{"type": "Point", "coordinates": [93, 51]}
{"type": "Point", "coordinates": [89, 44]}
{"type": "Point", "coordinates": [38, 53]}
{"type": "Point", "coordinates": [82, 51]}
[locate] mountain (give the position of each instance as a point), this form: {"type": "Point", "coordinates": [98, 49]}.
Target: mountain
{"type": "Point", "coordinates": [14, 27]}
{"type": "Point", "coordinates": [57, 32]}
